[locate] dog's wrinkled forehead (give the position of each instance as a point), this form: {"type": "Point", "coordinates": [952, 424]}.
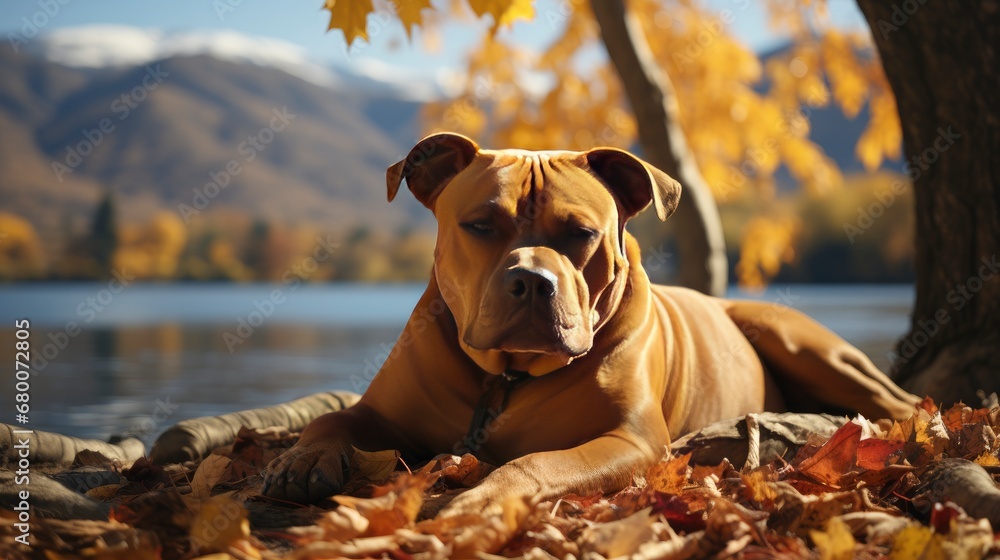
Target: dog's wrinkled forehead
{"type": "Point", "coordinates": [515, 175]}
{"type": "Point", "coordinates": [527, 185]}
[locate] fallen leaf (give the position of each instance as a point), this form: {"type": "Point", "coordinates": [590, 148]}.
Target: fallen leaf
{"type": "Point", "coordinates": [342, 524]}
{"type": "Point", "coordinates": [916, 542]}
{"type": "Point", "coordinates": [836, 542]}
{"type": "Point", "coordinates": [669, 477]}
{"type": "Point", "coordinates": [209, 473]}
{"type": "Point", "coordinates": [875, 454]}
{"type": "Point", "coordinates": [375, 466]}
{"type": "Point", "coordinates": [219, 524]}
{"type": "Point", "coordinates": [835, 458]}
{"type": "Point", "coordinates": [619, 538]}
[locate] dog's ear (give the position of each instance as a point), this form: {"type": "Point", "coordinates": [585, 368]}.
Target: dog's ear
{"type": "Point", "coordinates": [634, 183]}
{"type": "Point", "coordinates": [430, 165]}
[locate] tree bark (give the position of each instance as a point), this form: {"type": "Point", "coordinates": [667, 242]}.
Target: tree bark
{"type": "Point", "coordinates": [941, 59]}
{"type": "Point", "coordinates": [702, 264]}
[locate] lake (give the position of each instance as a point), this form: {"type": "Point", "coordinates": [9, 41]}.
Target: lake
{"type": "Point", "coordinates": [109, 363]}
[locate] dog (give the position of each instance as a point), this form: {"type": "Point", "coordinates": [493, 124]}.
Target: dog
{"type": "Point", "coordinates": [540, 345]}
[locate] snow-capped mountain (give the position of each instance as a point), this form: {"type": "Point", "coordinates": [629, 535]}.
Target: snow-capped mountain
{"type": "Point", "coordinates": [104, 46]}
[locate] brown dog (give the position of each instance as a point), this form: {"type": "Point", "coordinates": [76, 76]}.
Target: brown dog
{"type": "Point", "coordinates": [541, 346]}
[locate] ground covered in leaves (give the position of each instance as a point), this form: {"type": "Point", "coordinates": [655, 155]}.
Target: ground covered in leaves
{"type": "Point", "coordinates": [870, 490]}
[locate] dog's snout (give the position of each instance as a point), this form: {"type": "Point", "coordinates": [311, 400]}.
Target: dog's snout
{"type": "Point", "coordinates": [523, 283]}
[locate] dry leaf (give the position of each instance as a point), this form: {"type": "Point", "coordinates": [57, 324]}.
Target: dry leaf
{"type": "Point", "coordinates": [375, 466]}
{"type": "Point", "coordinates": [209, 473]}
{"type": "Point", "coordinates": [836, 457]}
{"type": "Point", "coordinates": [671, 476]}
{"type": "Point", "coordinates": [836, 542]}
{"type": "Point", "coordinates": [221, 523]}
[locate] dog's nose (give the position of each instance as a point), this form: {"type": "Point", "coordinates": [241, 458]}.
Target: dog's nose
{"type": "Point", "coordinates": [523, 283]}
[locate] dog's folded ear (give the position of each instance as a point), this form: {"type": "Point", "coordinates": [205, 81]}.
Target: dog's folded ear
{"type": "Point", "coordinates": [430, 165]}
{"type": "Point", "coordinates": [634, 183]}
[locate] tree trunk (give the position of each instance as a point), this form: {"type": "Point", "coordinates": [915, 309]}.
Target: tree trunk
{"type": "Point", "coordinates": [703, 265]}
{"type": "Point", "coordinates": [941, 59]}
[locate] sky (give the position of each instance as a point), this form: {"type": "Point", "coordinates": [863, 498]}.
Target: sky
{"type": "Point", "coordinates": [304, 23]}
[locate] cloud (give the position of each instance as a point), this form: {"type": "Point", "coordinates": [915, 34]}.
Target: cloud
{"type": "Point", "coordinates": [100, 46]}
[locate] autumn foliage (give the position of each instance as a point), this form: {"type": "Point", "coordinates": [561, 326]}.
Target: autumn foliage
{"type": "Point", "coordinates": [569, 97]}
{"type": "Point", "coordinates": [868, 489]}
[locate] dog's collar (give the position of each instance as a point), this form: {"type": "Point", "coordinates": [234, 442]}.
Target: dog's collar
{"type": "Point", "coordinates": [508, 380]}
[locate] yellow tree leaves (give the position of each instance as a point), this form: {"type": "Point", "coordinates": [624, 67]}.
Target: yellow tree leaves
{"type": "Point", "coordinates": [351, 16]}
{"type": "Point", "coordinates": [410, 13]}
{"type": "Point", "coordinates": [567, 95]}
{"type": "Point", "coordinates": [504, 12]}
{"type": "Point", "coordinates": [767, 244]}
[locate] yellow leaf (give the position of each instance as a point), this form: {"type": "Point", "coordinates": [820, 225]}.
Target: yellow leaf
{"type": "Point", "coordinates": [351, 17]}
{"type": "Point", "coordinates": [916, 542]}
{"type": "Point", "coordinates": [374, 465]}
{"type": "Point", "coordinates": [409, 13]}
{"type": "Point", "coordinates": [850, 86]}
{"type": "Point", "coordinates": [987, 460]}
{"type": "Point", "coordinates": [504, 12]}
{"type": "Point", "coordinates": [836, 542]}
{"type": "Point", "coordinates": [219, 524]}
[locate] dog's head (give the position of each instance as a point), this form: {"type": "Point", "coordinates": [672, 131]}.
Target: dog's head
{"type": "Point", "coordinates": [530, 251]}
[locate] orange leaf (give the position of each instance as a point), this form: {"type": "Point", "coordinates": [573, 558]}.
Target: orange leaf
{"type": "Point", "coordinates": [874, 454]}
{"type": "Point", "coordinates": [837, 456]}
{"type": "Point", "coordinates": [669, 477]}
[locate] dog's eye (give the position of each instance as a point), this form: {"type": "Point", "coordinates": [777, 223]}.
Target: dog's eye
{"type": "Point", "coordinates": [478, 228]}
{"type": "Point", "coordinates": [581, 232]}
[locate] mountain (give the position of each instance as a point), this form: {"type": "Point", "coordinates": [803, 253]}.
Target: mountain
{"type": "Point", "coordinates": [178, 108]}
{"type": "Point", "coordinates": [158, 132]}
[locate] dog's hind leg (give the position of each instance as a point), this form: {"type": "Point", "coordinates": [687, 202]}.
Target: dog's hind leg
{"type": "Point", "coordinates": [814, 367]}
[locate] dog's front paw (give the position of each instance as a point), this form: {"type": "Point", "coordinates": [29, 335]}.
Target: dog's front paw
{"type": "Point", "coordinates": [308, 472]}
{"type": "Point", "coordinates": [472, 501]}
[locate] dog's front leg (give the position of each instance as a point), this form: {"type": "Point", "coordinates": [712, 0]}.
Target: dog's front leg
{"type": "Point", "coordinates": [319, 464]}
{"type": "Point", "coordinates": [604, 464]}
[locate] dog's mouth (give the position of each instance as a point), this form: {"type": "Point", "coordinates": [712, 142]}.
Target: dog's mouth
{"type": "Point", "coordinates": [525, 332]}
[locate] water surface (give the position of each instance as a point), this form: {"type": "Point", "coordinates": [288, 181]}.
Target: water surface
{"type": "Point", "coordinates": [150, 355]}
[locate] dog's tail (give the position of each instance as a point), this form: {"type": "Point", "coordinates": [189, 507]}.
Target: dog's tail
{"type": "Point", "coordinates": [813, 367]}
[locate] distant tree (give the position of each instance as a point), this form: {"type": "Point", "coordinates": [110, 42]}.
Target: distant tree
{"type": "Point", "coordinates": [103, 239]}
{"type": "Point", "coordinates": [690, 89]}
{"type": "Point", "coordinates": [21, 254]}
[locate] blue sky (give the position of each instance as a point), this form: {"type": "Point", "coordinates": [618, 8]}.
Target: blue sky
{"type": "Point", "coordinates": [304, 23]}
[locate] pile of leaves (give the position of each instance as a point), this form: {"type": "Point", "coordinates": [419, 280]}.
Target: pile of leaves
{"type": "Point", "coordinates": [869, 490]}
